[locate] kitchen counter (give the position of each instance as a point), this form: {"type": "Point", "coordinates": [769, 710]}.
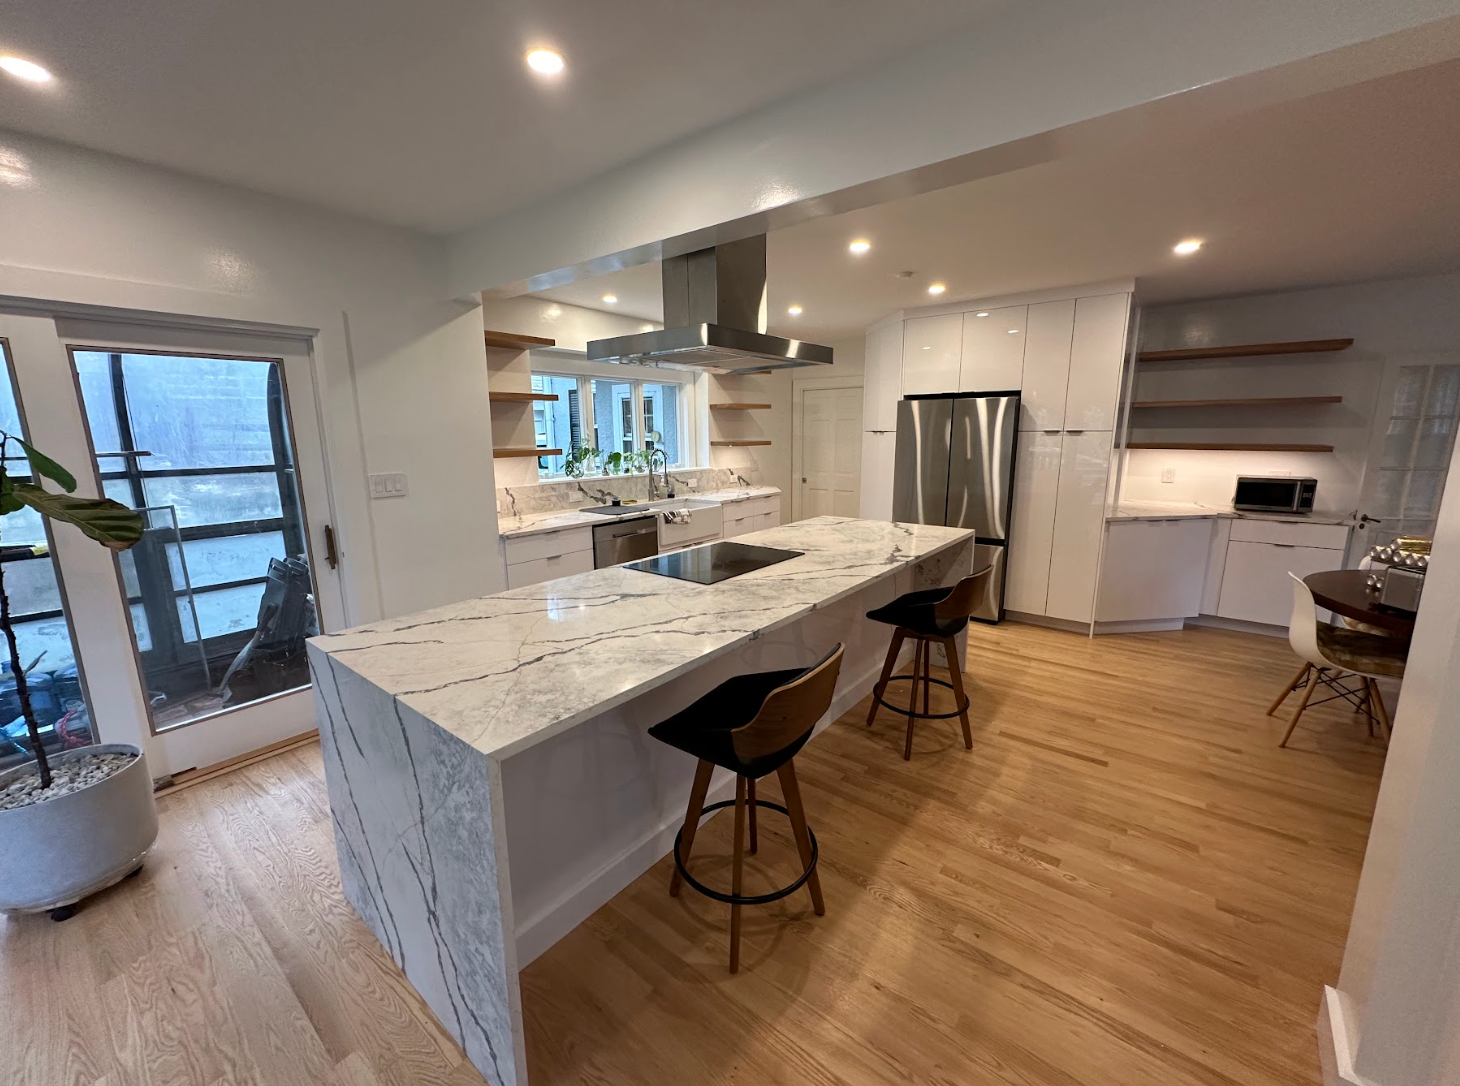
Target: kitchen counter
{"type": "Point", "coordinates": [510, 526]}
{"type": "Point", "coordinates": [490, 774]}
{"type": "Point", "coordinates": [1153, 510]}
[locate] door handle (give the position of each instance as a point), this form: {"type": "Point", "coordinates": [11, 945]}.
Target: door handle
{"type": "Point", "coordinates": [331, 554]}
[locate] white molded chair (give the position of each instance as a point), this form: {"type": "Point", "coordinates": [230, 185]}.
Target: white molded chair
{"type": "Point", "coordinates": [1332, 654]}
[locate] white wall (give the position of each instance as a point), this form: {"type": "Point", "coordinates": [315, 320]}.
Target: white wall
{"type": "Point", "coordinates": [1388, 320]}
{"type": "Point", "coordinates": [395, 360]}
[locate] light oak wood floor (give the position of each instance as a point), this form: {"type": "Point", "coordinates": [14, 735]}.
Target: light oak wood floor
{"type": "Point", "coordinates": [1125, 883]}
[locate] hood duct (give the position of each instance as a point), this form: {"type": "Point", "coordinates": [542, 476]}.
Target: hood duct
{"type": "Point", "coordinates": [714, 318]}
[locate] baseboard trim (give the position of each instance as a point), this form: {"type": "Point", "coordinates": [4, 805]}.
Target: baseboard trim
{"type": "Point", "coordinates": [189, 777]}
{"type": "Point", "coordinates": [1049, 623]}
{"type": "Point", "coordinates": [1335, 1041]}
{"type": "Point", "coordinates": [537, 933]}
{"type": "Point", "coordinates": [1140, 625]}
{"type": "Point", "coordinates": [1239, 626]}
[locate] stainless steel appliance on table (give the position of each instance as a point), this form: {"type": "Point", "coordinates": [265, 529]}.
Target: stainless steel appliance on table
{"type": "Point", "coordinates": [621, 541]}
{"type": "Point", "coordinates": [954, 465]}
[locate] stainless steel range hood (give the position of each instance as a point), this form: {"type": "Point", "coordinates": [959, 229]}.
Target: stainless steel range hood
{"type": "Point", "coordinates": [714, 318]}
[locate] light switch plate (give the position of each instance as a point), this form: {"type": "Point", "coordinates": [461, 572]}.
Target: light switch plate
{"type": "Point", "coordinates": [390, 484]}
{"type": "Point", "coordinates": [1168, 475]}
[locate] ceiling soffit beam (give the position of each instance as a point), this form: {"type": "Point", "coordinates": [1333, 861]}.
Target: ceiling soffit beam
{"type": "Point", "coordinates": [1035, 84]}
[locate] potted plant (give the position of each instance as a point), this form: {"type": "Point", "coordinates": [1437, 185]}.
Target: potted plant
{"type": "Point", "coordinates": [73, 823]}
{"type": "Point", "coordinates": [580, 462]}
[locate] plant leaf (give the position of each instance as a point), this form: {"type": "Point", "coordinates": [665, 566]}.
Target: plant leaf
{"type": "Point", "coordinates": [110, 523]}
{"type": "Point", "coordinates": [46, 467]}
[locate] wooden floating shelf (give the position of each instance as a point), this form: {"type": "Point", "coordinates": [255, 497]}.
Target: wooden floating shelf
{"type": "Point", "coordinates": [740, 407]}
{"type": "Point", "coordinates": [1247, 350]}
{"type": "Point", "coordinates": [521, 397]}
{"type": "Point", "coordinates": [511, 341]}
{"type": "Point", "coordinates": [527, 452]}
{"type": "Point", "coordinates": [1207, 446]}
{"type": "Point", "coordinates": [736, 444]}
{"type": "Point", "coordinates": [1264, 401]}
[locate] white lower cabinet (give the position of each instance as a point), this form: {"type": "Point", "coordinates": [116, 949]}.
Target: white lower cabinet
{"type": "Point", "coordinates": [535, 558]}
{"type": "Point", "coordinates": [877, 455]}
{"type": "Point", "coordinates": [1031, 530]}
{"type": "Point", "coordinates": [1079, 525]}
{"type": "Point", "coordinates": [537, 570]}
{"type": "Point", "coordinates": [1154, 569]}
{"type": "Point", "coordinates": [1255, 582]}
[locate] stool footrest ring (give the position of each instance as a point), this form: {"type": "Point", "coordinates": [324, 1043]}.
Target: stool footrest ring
{"type": "Point", "coordinates": [747, 899]}
{"type": "Point", "coordinates": [919, 716]}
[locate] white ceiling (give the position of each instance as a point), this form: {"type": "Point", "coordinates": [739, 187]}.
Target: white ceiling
{"type": "Point", "coordinates": [1355, 184]}
{"type": "Point", "coordinates": [422, 112]}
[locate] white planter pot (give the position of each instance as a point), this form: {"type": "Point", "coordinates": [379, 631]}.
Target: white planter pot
{"type": "Point", "coordinates": [58, 851]}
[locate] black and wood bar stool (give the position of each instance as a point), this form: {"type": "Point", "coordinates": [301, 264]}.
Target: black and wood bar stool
{"type": "Point", "coordinates": [752, 725]}
{"type": "Point", "coordinates": [933, 614]}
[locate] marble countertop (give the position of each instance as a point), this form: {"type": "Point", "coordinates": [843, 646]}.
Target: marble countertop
{"type": "Point", "coordinates": [1153, 510]}
{"type": "Point", "coordinates": [504, 672]}
{"type": "Point", "coordinates": [555, 519]}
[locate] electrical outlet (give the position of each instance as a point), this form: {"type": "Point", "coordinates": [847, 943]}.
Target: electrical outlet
{"type": "Point", "coordinates": [390, 484]}
{"type": "Point", "coordinates": [1168, 475]}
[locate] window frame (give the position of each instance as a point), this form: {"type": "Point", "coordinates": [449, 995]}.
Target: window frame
{"type": "Point", "coordinates": [694, 451]}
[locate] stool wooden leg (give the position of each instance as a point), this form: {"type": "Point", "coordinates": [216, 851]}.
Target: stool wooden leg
{"type": "Point", "coordinates": [1299, 677]}
{"type": "Point", "coordinates": [792, 791]}
{"type": "Point", "coordinates": [927, 663]}
{"type": "Point", "coordinates": [692, 815]}
{"type": "Point", "coordinates": [737, 870]}
{"type": "Point", "coordinates": [912, 701]}
{"type": "Point", "coordinates": [750, 805]}
{"type": "Point", "coordinates": [955, 675]}
{"type": "Point", "coordinates": [1313, 678]}
{"type": "Point", "coordinates": [1383, 713]}
{"type": "Point", "coordinates": [887, 668]}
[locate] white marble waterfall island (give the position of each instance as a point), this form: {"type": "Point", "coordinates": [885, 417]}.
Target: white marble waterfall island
{"type": "Point", "coordinates": [490, 775]}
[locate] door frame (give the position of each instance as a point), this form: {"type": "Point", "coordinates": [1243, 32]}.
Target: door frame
{"type": "Point", "coordinates": [799, 388]}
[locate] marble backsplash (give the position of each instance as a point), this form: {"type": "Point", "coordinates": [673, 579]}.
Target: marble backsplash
{"type": "Point", "coordinates": [571, 493]}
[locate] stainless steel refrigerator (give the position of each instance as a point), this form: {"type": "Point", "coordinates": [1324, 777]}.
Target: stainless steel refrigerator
{"type": "Point", "coordinates": [954, 465]}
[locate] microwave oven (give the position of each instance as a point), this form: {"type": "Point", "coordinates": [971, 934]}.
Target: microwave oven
{"type": "Point", "coordinates": [1274, 494]}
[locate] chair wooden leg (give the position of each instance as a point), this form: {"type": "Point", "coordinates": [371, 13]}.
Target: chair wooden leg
{"type": "Point", "coordinates": [955, 676]}
{"type": "Point", "coordinates": [1377, 697]}
{"type": "Point", "coordinates": [1313, 678]}
{"type": "Point", "coordinates": [692, 815]}
{"type": "Point", "coordinates": [792, 791]}
{"type": "Point", "coordinates": [919, 654]}
{"type": "Point", "coordinates": [1299, 677]}
{"type": "Point", "coordinates": [737, 871]}
{"type": "Point", "coordinates": [888, 666]}
{"type": "Point", "coordinates": [750, 808]}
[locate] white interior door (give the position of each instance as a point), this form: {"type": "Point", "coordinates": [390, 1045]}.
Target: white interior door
{"type": "Point", "coordinates": [1409, 451]}
{"type": "Point", "coordinates": [830, 438]}
{"type": "Point", "coordinates": [191, 643]}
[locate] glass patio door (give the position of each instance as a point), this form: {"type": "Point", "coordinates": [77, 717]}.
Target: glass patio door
{"type": "Point", "coordinates": [214, 437]}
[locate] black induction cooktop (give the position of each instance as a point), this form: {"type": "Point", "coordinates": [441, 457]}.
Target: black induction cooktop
{"type": "Point", "coordinates": [713, 562]}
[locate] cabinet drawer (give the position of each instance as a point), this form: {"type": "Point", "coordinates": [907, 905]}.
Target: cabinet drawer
{"type": "Point", "coordinates": [549, 568]}
{"type": "Point", "coordinates": [1255, 582]}
{"type": "Point", "coordinates": [758, 507]}
{"type": "Point", "coordinates": [740, 525]}
{"type": "Point", "coordinates": [529, 548]}
{"type": "Point", "coordinates": [1332, 537]}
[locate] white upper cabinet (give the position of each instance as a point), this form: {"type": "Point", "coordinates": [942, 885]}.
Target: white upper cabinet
{"type": "Point", "coordinates": [931, 348]}
{"type": "Point", "coordinates": [1050, 329]}
{"type": "Point", "coordinates": [1097, 350]}
{"type": "Point", "coordinates": [882, 377]}
{"type": "Point", "coordinates": [878, 450]}
{"type": "Point", "coordinates": [993, 350]}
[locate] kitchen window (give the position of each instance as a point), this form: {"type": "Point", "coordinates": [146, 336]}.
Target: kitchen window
{"type": "Point", "coordinates": [614, 409]}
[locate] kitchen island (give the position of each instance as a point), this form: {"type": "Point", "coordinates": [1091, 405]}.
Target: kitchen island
{"type": "Point", "coordinates": [490, 774]}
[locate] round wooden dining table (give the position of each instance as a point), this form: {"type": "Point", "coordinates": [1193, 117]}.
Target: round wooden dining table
{"type": "Point", "coordinates": [1344, 592]}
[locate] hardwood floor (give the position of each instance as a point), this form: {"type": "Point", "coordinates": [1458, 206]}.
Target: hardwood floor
{"type": "Point", "coordinates": [1125, 883]}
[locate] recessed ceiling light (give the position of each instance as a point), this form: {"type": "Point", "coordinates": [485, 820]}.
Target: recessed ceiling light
{"type": "Point", "coordinates": [927, 348]}
{"type": "Point", "coordinates": [611, 299]}
{"type": "Point", "coordinates": [937, 288]}
{"type": "Point", "coordinates": [795, 310]}
{"type": "Point", "coordinates": [1187, 247]}
{"type": "Point", "coordinates": [980, 314]}
{"type": "Point", "coordinates": [1013, 331]}
{"type": "Point", "coordinates": [545, 61]}
{"type": "Point", "coordinates": [859, 246]}
{"type": "Point", "coordinates": [25, 69]}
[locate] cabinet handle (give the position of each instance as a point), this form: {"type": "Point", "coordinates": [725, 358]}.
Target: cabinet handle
{"type": "Point", "coordinates": [1051, 431]}
{"type": "Point", "coordinates": [331, 555]}
{"type": "Point", "coordinates": [1074, 431]}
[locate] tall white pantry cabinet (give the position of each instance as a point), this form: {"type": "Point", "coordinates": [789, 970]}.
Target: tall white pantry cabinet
{"type": "Point", "coordinates": [1064, 351]}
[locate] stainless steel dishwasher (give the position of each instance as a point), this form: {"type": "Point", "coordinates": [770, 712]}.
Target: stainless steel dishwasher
{"type": "Point", "coordinates": [625, 540]}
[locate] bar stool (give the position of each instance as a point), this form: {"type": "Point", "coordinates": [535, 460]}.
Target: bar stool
{"type": "Point", "coordinates": [934, 614]}
{"type": "Point", "coordinates": [752, 725]}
